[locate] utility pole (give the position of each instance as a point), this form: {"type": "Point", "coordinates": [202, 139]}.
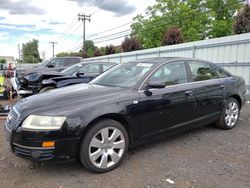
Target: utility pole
{"type": "Point", "coordinates": [83, 18]}
{"type": "Point", "coordinates": [19, 54]}
{"type": "Point", "coordinates": [53, 48]}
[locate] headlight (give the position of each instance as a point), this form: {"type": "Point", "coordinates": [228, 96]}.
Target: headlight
{"type": "Point", "coordinates": [46, 82]}
{"type": "Point", "coordinates": [34, 122]}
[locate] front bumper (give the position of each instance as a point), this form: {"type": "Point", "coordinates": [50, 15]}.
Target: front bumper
{"type": "Point", "coordinates": [28, 144]}
{"type": "Point", "coordinates": [16, 85]}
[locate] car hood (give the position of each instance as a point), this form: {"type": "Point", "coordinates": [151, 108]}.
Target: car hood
{"type": "Point", "coordinates": [51, 73]}
{"type": "Point", "coordinates": [30, 70]}
{"type": "Point", "coordinates": [66, 101]}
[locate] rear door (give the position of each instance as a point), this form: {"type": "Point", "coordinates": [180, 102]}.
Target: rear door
{"type": "Point", "coordinates": [209, 90]}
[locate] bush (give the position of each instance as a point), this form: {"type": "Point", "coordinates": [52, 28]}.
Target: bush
{"type": "Point", "coordinates": [130, 44]}
{"type": "Point", "coordinates": [110, 49]}
{"type": "Point", "coordinates": [97, 52]}
{"type": "Point", "coordinates": [242, 21]}
{"type": "Point", "coordinates": [172, 36]}
{"type": "Point", "coordinates": [3, 61]}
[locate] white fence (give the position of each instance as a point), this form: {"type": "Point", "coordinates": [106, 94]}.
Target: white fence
{"type": "Point", "coordinates": [232, 52]}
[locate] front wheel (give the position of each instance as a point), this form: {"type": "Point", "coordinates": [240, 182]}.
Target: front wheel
{"type": "Point", "coordinates": [229, 115]}
{"type": "Point", "coordinates": [104, 146]}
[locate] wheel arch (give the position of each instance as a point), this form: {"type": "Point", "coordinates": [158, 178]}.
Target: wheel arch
{"type": "Point", "coordinates": [237, 97]}
{"type": "Point", "coordinates": [117, 117]}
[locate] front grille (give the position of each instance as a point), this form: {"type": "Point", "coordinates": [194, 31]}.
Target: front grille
{"type": "Point", "coordinates": [33, 153]}
{"type": "Point", "coordinates": [12, 119]}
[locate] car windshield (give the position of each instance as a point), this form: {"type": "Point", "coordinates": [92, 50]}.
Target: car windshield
{"type": "Point", "coordinates": [45, 62]}
{"type": "Point", "coordinates": [72, 69]}
{"type": "Point", "coordinates": [124, 75]}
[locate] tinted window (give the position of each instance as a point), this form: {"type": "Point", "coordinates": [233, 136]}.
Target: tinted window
{"type": "Point", "coordinates": [170, 74]}
{"type": "Point", "coordinates": [72, 69]}
{"type": "Point", "coordinates": [220, 73]}
{"type": "Point", "coordinates": [57, 62]}
{"type": "Point", "coordinates": [201, 71]}
{"type": "Point", "coordinates": [71, 61]}
{"type": "Point", "coordinates": [90, 69]}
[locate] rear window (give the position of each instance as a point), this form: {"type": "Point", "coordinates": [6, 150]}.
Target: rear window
{"type": "Point", "coordinates": [221, 73]}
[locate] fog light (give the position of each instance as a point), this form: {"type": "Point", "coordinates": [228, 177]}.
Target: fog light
{"type": "Point", "coordinates": [36, 154]}
{"type": "Point", "coordinates": [48, 144]}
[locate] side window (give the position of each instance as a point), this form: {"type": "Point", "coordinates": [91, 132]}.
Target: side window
{"type": "Point", "coordinates": [57, 62]}
{"type": "Point", "coordinates": [106, 67]}
{"type": "Point", "coordinates": [170, 74]}
{"type": "Point", "coordinates": [71, 61]}
{"type": "Point", "coordinates": [201, 71]}
{"type": "Point", "coordinates": [53, 62]}
{"type": "Point", "coordinates": [89, 69]}
{"type": "Point", "coordinates": [220, 73]}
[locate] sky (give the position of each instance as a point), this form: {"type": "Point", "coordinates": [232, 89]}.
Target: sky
{"type": "Point", "coordinates": [56, 21]}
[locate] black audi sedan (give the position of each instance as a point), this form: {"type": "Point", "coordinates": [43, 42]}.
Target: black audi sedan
{"type": "Point", "coordinates": [128, 105]}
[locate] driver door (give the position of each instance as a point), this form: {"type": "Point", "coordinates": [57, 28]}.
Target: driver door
{"type": "Point", "coordinates": [169, 107]}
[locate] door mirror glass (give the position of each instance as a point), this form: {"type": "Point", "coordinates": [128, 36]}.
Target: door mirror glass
{"type": "Point", "coordinates": [51, 65]}
{"type": "Point", "coordinates": [155, 85]}
{"type": "Point", "coordinates": [80, 74]}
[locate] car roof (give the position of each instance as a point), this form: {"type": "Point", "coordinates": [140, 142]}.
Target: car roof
{"type": "Point", "coordinates": [96, 62]}
{"type": "Point", "coordinates": [161, 60]}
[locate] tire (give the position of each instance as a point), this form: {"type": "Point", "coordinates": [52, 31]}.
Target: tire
{"type": "Point", "coordinates": [230, 114]}
{"type": "Point", "coordinates": [45, 89]}
{"type": "Point", "coordinates": [104, 146]}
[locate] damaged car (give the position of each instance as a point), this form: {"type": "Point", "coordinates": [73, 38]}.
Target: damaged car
{"type": "Point", "coordinates": [43, 81]}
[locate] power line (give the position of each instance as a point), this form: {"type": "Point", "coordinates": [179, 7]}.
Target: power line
{"type": "Point", "coordinates": [101, 7]}
{"type": "Point", "coordinates": [154, 26]}
{"type": "Point", "coordinates": [159, 21]}
{"type": "Point", "coordinates": [83, 18]}
{"type": "Point", "coordinates": [53, 48]}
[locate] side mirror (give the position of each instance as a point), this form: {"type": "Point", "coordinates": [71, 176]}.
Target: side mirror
{"type": "Point", "coordinates": [155, 85]}
{"type": "Point", "coordinates": [51, 66]}
{"type": "Point", "coordinates": [79, 74]}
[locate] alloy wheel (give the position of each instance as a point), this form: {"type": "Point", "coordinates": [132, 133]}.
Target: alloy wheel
{"type": "Point", "coordinates": [232, 114]}
{"type": "Point", "coordinates": [107, 147]}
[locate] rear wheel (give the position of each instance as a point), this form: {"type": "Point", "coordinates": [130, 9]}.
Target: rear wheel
{"type": "Point", "coordinates": [45, 89]}
{"type": "Point", "coordinates": [104, 146]}
{"type": "Point", "coordinates": [230, 114]}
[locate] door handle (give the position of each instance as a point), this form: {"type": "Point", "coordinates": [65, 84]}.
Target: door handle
{"type": "Point", "coordinates": [189, 93]}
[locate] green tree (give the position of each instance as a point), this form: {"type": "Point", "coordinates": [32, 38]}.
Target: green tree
{"type": "Point", "coordinates": [197, 19]}
{"type": "Point", "coordinates": [67, 54]}
{"type": "Point", "coordinates": [222, 13]}
{"type": "Point", "coordinates": [3, 61]}
{"type": "Point", "coordinates": [164, 14]}
{"type": "Point", "coordinates": [30, 52]}
{"type": "Point", "coordinates": [242, 20]}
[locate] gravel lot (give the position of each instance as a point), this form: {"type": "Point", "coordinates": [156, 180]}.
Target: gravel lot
{"type": "Point", "coordinates": [204, 157]}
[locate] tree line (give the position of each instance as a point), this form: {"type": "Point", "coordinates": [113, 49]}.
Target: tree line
{"type": "Point", "coordinates": [171, 22]}
{"type": "Point", "coordinates": [168, 22]}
